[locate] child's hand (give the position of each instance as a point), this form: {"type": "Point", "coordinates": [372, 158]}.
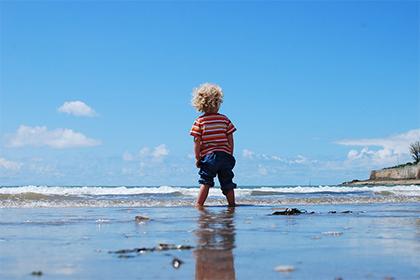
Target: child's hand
{"type": "Point", "coordinates": [198, 163]}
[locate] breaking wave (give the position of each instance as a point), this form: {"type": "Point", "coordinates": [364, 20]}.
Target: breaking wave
{"type": "Point", "coordinates": [99, 196]}
{"type": "Point", "coordinates": [413, 190]}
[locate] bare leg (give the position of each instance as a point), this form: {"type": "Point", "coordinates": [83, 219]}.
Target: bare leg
{"type": "Point", "coordinates": [202, 195]}
{"type": "Point", "coordinates": [230, 196]}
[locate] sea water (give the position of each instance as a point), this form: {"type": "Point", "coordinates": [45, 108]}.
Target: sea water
{"type": "Point", "coordinates": [137, 196]}
{"type": "Point", "coordinates": [361, 232]}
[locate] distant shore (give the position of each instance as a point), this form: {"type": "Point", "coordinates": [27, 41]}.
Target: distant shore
{"type": "Point", "coordinates": [403, 174]}
{"type": "Point", "coordinates": [383, 182]}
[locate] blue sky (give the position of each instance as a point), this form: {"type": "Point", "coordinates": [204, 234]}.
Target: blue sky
{"type": "Point", "coordinates": [320, 92]}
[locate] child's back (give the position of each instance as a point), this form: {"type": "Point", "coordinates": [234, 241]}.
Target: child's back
{"type": "Point", "coordinates": [213, 143]}
{"type": "Point", "coordinates": [213, 129]}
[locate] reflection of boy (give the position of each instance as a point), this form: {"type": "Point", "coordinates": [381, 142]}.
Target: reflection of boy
{"type": "Point", "coordinates": [216, 239]}
{"type": "Point", "coordinates": [213, 143]}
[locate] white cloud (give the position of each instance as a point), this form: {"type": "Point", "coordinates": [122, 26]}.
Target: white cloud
{"type": "Point", "coordinates": [263, 171]}
{"type": "Point", "coordinates": [9, 165]}
{"type": "Point", "coordinates": [299, 160]}
{"type": "Point", "coordinates": [160, 151]}
{"type": "Point", "coordinates": [251, 155]}
{"type": "Point", "coordinates": [77, 108]}
{"type": "Point", "coordinates": [247, 153]}
{"type": "Point", "coordinates": [389, 150]}
{"type": "Point", "coordinates": [157, 153]}
{"type": "Point", "coordinates": [396, 143]}
{"type": "Point", "coordinates": [59, 138]}
{"type": "Point", "coordinates": [148, 162]}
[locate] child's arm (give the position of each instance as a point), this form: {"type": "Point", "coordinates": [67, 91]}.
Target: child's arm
{"type": "Point", "coordinates": [197, 146]}
{"type": "Point", "coordinates": [230, 141]}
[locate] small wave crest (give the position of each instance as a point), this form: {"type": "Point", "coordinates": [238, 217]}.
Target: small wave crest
{"type": "Point", "coordinates": [92, 191]}
{"type": "Point", "coordinates": [212, 201]}
{"type": "Point", "coordinates": [413, 190]}
{"type": "Point", "coordinates": [98, 196]}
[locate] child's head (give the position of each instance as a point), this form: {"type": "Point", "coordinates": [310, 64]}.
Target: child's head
{"type": "Point", "coordinates": [207, 98]}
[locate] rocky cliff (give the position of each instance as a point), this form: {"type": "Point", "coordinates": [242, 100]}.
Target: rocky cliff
{"type": "Point", "coordinates": [408, 174]}
{"type": "Point", "coordinates": [398, 173]}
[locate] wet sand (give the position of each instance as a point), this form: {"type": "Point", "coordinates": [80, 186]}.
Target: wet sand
{"type": "Point", "coordinates": [373, 241]}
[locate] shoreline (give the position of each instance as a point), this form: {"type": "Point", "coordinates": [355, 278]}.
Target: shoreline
{"type": "Point", "coordinates": [382, 182]}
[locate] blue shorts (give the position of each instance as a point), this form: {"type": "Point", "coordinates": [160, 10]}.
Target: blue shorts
{"type": "Point", "coordinates": [220, 164]}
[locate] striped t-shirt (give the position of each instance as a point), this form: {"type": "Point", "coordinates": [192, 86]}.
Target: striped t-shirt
{"type": "Point", "coordinates": [213, 130]}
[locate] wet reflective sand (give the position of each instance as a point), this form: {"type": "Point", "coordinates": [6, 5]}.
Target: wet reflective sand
{"type": "Point", "coordinates": [374, 241]}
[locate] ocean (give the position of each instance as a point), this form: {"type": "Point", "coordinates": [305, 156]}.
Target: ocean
{"type": "Point", "coordinates": [138, 196]}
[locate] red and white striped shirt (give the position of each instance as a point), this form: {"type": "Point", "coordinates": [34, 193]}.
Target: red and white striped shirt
{"type": "Point", "coordinates": [213, 131]}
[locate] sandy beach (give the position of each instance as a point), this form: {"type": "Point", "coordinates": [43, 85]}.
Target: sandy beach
{"type": "Point", "coordinates": [330, 241]}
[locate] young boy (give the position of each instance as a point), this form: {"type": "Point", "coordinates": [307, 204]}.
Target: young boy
{"type": "Point", "coordinates": [213, 143]}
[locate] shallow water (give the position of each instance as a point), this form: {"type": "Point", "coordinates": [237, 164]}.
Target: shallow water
{"type": "Point", "coordinates": [372, 242]}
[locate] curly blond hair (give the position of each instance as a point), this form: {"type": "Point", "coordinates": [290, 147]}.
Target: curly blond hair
{"type": "Point", "coordinates": [207, 98]}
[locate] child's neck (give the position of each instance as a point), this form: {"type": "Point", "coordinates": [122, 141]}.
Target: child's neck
{"type": "Point", "coordinates": [211, 113]}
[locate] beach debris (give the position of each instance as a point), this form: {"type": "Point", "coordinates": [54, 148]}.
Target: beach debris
{"type": "Point", "coordinates": [102, 221]}
{"type": "Point", "coordinates": [125, 256]}
{"type": "Point", "coordinates": [160, 247]}
{"type": "Point", "coordinates": [37, 273]}
{"type": "Point", "coordinates": [289, 212]}
{"type": "Point", "coordinates": [285, 268]}
{"type": "Point", "coordinates": [141, 219]}
{"type": "Point", "coordinates": [164, 247]}
{"type": "Point", "coordinates": [176, 263]}
{"type": "Point", "coordinates": [343, 212]}
{"type": "Point", "coordinates": [333, 233]}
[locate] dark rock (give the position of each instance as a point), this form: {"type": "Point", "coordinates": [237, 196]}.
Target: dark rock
{"type": "Point", "coordinates": [160, 247]}
{"type": "Point", "coordinates": [176, 263]}
{"type": "Point", "coordinates": [284, 268]}
{"type": "Point", "coordinates": [333, 233]}
{"type": "Point", "coordinates": [164, 247]}
{"type": "Point", "coordinates": [332, 212]}
{"type": "Point", "coordinates": [140, 219]}
{"type": "Point", "coordinates": [338, 278]}
{"type": "Point", "coordinates": [135, 250]}
{"type": "Point", "coordinates": [184, 247]}
{"type": "Point", "coordinates": [347, 212]}
{"type": "Point", "coordinates": [351, 182]}
{"type": "Point", "coordinates": [37, 273]}
{"type": "Point", "coordinates": [289, 212]}
{"type": "Point", "coordinates": [125, 256]}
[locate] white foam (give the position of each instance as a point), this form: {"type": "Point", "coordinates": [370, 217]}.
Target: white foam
{"type": "Point", "coordinates": [412, 190]}
{"type": "Point", "coordinates": [250, 200]}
